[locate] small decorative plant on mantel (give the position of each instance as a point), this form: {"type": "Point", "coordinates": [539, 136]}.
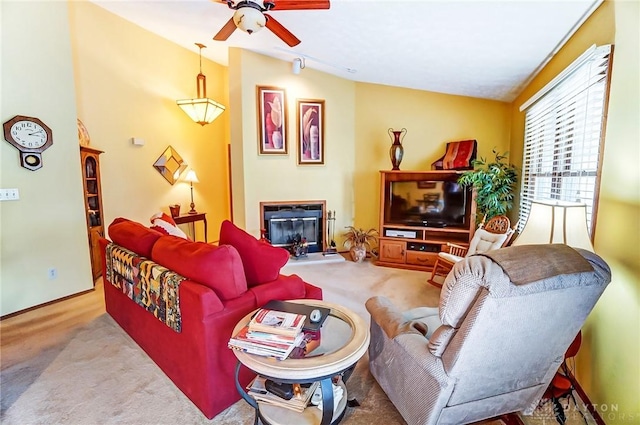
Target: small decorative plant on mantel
{"type": "Point", "coordinates": [359, 241]}
{"type": "Point", "coordinates": [494, 183]}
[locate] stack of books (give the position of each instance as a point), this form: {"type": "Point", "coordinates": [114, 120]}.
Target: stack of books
{"type": "Point", "coordinates": [298, 402]}
{"type": "Point", "coordinates": [270, 333]}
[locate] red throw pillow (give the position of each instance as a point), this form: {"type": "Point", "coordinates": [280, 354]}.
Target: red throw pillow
{"type": "Point", "coordinates": [164, 224]}
{"type": "Point", "coordinates": [261, 261]}
{"type": "Point", "coordinates": [133, 236]}
{"type": "Point", "coordinates": [219, 268]}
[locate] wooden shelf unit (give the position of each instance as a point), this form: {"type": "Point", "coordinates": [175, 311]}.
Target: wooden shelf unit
{"type": "Point", "coordinates": [417, 247]}
{"type": "Point", "coordinates": [90, 159]}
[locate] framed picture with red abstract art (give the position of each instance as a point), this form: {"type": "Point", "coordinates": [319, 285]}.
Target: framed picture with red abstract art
{"type": "Point", "coordinates": [272, 120]}
{"type": "Point", "coordinates": [310, 116]}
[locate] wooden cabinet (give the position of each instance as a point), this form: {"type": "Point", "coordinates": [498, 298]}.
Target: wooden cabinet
{"type": "Point", "coordinates": [392, 251]}
{"type": "Point", "coordinates": [90, 159]}
{"type": "Point", "coordinates": [420, 212]}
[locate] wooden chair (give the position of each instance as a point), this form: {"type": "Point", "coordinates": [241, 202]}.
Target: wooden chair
{"type": "Point", "coordinates": [495, 234]}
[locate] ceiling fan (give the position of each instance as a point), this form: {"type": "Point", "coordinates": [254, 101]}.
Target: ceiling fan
{"type": "Point", "coordinates": [250, 17]}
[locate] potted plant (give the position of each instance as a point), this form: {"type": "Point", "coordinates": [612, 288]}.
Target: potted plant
{"type": "Point", "coordinates": [494, 183]}
{"type": "Point", "coordinates": [359, 242]}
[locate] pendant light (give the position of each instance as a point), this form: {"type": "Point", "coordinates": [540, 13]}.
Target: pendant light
{"type": "Point", "coordinates": [202, 110]}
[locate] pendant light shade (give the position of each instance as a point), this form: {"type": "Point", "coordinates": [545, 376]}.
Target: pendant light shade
{"type": "Point", "coordinates": [202, 109]}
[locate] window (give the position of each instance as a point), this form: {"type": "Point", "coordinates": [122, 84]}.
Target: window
{"type": "Point", "coordinates": [564, 135]}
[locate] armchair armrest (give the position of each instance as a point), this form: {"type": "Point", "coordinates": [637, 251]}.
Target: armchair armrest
{"type": "Point", "coordinates": [391, 320]}
{"type": "Point", "coordinates": [404, 366]}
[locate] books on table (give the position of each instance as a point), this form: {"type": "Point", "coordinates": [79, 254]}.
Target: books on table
{"type": "Point", "coordinates": [257, 389]}
{"type": "Point", "coordinates": [270, 333]}
{"type": "Point", "coordinates": [278, 346]}
{"type": "Point", "coordinates": [277, 334]}
{"type": "Point", "coordinates": [277, 322]}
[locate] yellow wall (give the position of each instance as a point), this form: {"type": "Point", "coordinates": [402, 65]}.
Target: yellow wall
{"type": "Point", "coordinates": [357, 118]}
{"type": "Point", "coordinates": [46, 227]}
{"type": "Point", "coordinates": [608, 364]}
{"type": "Point", "coordinates": [279, 177]}
{"type": "Point", "coordinates": [127, 83]}
{"type": "Point", "coordinates": [431, 120]}
{"type": "Point", "coordinates": [122, 82]}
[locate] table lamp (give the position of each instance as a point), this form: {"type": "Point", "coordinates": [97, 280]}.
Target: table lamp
{"type": "Point", "coordinates": [556, 222]}
{"type": "Point", "coordinates": [192, 178]}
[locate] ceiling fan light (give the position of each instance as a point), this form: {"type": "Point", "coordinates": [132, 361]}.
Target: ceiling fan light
{"type": "Point", "coordinates": [249, 19]}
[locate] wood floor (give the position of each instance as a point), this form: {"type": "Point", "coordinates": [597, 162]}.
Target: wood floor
{"type": "Point", "coordinates": [27, 334]}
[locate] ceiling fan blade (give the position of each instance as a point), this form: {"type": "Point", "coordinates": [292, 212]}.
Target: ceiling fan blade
{"type": "Point", "coordinates": [300, 4]}
{"type": "Point", "coordinates": [225, 31]}
{"type": "Point", "coordinates": [284, 34]}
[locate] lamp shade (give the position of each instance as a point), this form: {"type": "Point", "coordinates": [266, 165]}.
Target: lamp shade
{"type": "Point", "coordinates": [202, 110]}
{"type": "Point", "coordinates": [556, 222]}
{"type": "Point", "coordinates": [191, 177]}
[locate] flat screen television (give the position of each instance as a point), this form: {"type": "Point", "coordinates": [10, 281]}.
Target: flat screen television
{"type": "Point", "coordinates": [427, 203]}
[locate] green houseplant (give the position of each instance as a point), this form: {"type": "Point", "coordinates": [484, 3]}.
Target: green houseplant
{"type": "Point", "coordinates": [494, 183]}
{"type": "Point", "coordinates": [359, 241]}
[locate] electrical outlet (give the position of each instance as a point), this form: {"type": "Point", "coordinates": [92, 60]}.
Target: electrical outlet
{"type": "Point", "coordinates": [9, 194]}
{"type": "Point", "coordinates": [53, 273]}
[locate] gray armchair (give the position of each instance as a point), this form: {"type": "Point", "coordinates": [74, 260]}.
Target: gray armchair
{"type": "Point", "coordinates": [505, 319]}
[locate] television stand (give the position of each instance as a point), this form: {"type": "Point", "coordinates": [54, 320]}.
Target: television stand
{"type": "Point", "coordinates": [415, 244]}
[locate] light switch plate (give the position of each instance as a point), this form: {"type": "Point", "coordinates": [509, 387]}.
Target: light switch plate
{"type": "Point", "coordinates": [9, 194]}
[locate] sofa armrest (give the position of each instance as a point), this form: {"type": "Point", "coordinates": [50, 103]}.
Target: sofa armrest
{"type": "Point", "coordinates": [283, 288]}
{"type": "Point", "coordinates": [312, 292]}
{"type": "Point", "coordinates": [199, 299]}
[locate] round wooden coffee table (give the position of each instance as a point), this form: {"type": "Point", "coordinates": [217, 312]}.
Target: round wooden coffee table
{"type": "Point", "coordinates": [344, 340]}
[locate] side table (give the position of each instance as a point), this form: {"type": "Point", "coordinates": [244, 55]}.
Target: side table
{"type": "Point", "coordinates": [344, 340]}
{"type": "Point", "coordinates": [192, 218]}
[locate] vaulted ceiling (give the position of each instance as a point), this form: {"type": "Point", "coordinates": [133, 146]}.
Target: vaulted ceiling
{"type": "Point", "coordinates": [480, 48]}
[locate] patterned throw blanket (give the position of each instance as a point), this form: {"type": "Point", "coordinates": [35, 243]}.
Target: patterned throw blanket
{"type": "Point", "coordinates": [148, 284]}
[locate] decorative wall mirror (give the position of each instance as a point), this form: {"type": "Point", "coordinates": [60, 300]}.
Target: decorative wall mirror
{"type": "Point", "coordinates": [170, 165]}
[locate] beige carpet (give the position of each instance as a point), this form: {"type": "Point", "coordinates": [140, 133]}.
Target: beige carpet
{"type": "Point", "coordinates": [88, 379]}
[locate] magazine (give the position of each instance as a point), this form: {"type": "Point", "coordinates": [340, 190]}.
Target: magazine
{"type": "Point", "coordinates": [297, 308]}
{"type": "Point", "coordinates": [310, 341]}
{"type": "Point", "coordinates": [277, 322]}
{"type": "Point", "coordinates": [257, 390]}
{"type": "Point", "coordinates": [279, 349]}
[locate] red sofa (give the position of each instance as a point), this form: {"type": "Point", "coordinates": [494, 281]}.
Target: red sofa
{"type": "Point", "coordinates": [223, 283]}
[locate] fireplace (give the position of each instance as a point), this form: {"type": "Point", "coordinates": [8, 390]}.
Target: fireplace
{"type": "Point", "coordinates": [283, 222]}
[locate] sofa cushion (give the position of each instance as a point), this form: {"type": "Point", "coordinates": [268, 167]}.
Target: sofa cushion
{"type": "Point", "coordinates": [133, 236]}
{"type": "Point", "coordinates": [261, 261]}
{"type": "Point", "coordinates": [217, 267]}
{"type": "Point", "coordinates": [166, 225]}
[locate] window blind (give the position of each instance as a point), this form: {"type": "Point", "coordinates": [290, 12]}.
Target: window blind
{"type": "Point", "coordinates": [564, 134]}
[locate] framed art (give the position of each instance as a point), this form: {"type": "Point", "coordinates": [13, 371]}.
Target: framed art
{"type": "Point", "coordinates": [272, 120]}
{"type": "Point", "coordinates": [310, 116]}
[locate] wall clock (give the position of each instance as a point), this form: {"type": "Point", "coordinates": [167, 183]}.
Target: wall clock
{"type": "Point", "coordinates": [31, 137]}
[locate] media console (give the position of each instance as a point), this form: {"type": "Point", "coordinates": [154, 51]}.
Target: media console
{"type": "Point", "coordinates": [420, 212]}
